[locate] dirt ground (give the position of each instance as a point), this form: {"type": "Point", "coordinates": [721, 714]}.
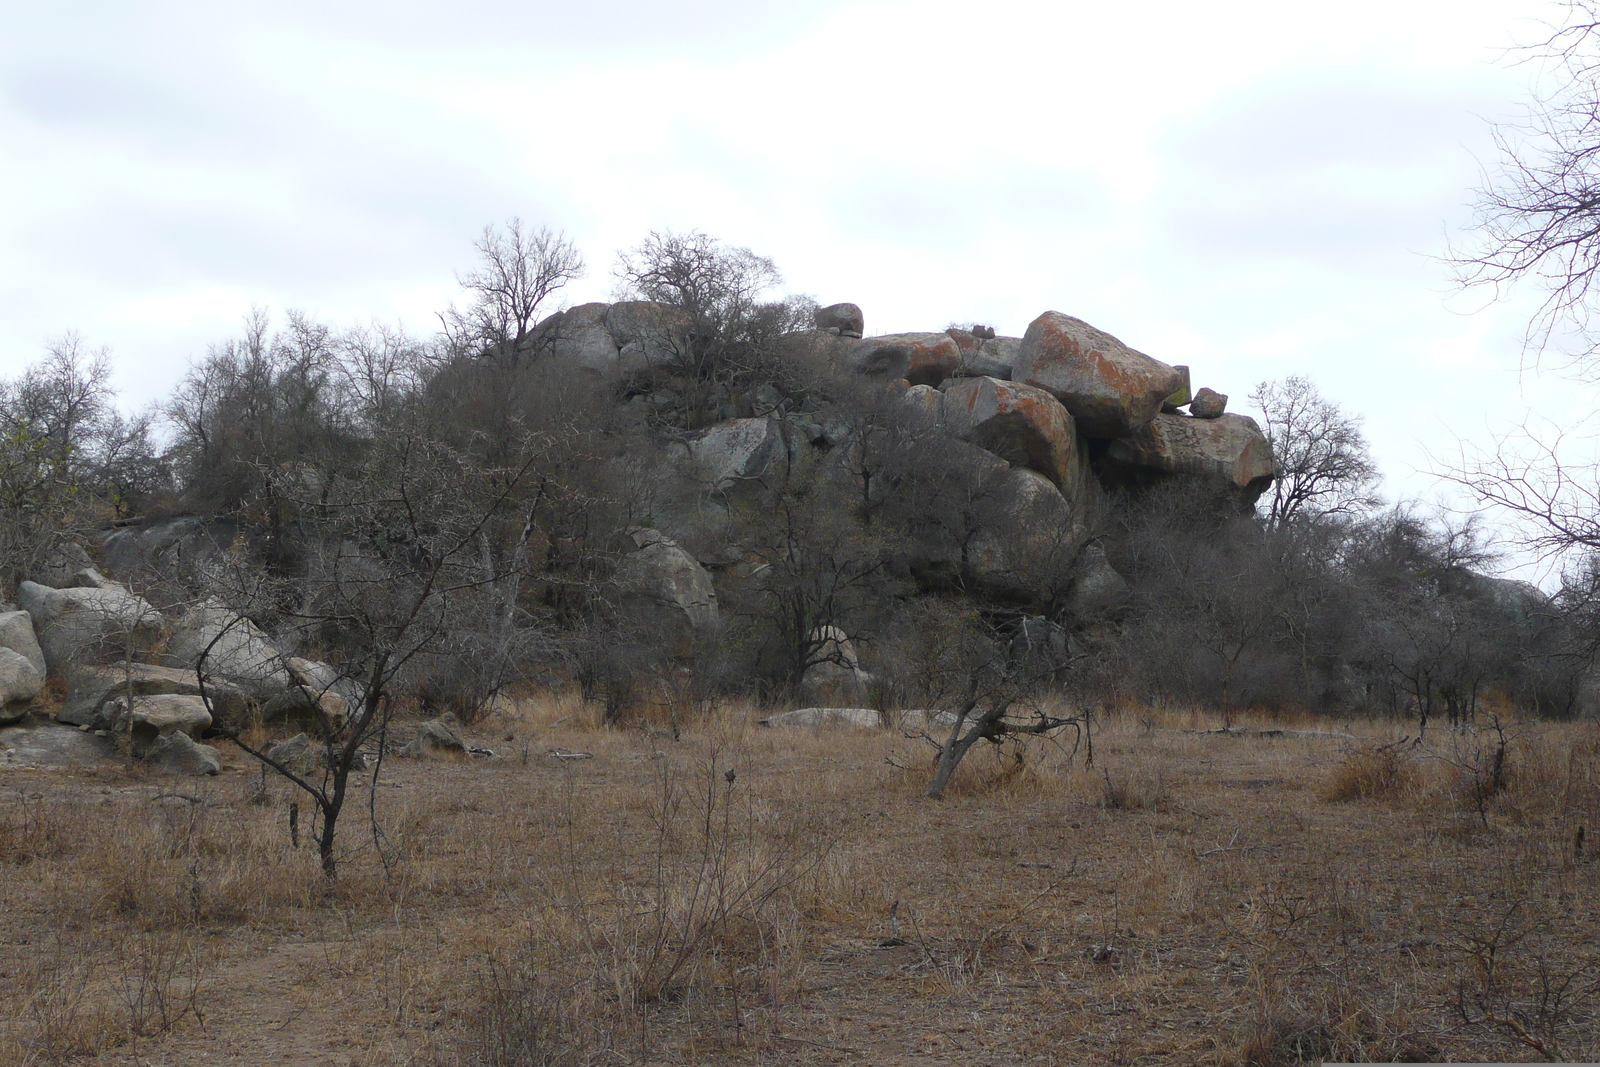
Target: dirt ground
{"type": "Point", "coordinates": [744, 895]}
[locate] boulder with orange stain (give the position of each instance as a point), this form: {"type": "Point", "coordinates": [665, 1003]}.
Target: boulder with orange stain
{"type": "Point", "coordinates": [919, 358]}
{"type": "Point", "coordinates": [1023, 425]}
{"type": "Point", "coordinates": [1230, 451]}
{"type": "Point", "coordinates": [1111, 389]}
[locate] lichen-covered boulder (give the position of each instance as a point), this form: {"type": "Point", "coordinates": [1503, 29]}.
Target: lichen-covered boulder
{"type": "Point", "coordinates": [91, 691]}
{"type": "Point", "coordinates": [89, 625]}
{"type": "Point", "coordinates": [1023, 425]}
{"type": "Point", "coordinates": [231, 646]}
{"type": "Point", "coordinates": [985, 357]}
{"type": "Point", "coordinates": [20, 683]}
{"type": "Point", "coordinates": [846, 318]}
{"type": "Point", "coordinates": [16, 633]}
{"type": "Point", "coordinates": [1110, 389]}
{"type": "Point", "coordinates": [1229, 451]}
{"type": "Point", "coordinates": [1208, 404]}
{"type": "Point", "coordinates": [919, 358]}
{"type": "Point", "coordinates": [678, 592]}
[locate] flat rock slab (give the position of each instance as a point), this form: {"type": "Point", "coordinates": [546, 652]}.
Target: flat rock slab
{"type": "Point", "coordinates": [47, 744]}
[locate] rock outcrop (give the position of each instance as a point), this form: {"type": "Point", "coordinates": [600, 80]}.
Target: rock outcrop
{"type": "Point", "coordinates": [1110, 389]}
{"type": "Point", "coordinates": [92, 690]}
{"type": "Point", "coordinates": [232, 647]}
{"type": "Point", "coordinates": [1023, 425]}
{"type": "Point", "coordinates": [919, 358]}
{"type": "Point", "coordinates": [676, 590]}
{"type": "Point", "coordinates": [20, 683]}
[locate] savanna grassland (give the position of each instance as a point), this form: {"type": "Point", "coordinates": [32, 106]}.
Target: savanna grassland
{"type": "Point", "coordinates": [703, 890]}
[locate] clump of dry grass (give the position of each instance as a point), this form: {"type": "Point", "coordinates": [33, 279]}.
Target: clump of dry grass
{"type": "Point", "coordinates": [1371, 774]}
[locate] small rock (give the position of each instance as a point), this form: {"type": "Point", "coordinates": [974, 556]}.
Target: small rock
{"type": "Point", "coordinates": [295, 754]}
{"type": "Point", "coordinates": [177, 753]}
{"type": "Point", "coordinates": [441, 733]}
{"type": "Point", "coordinates": [1208, 404]}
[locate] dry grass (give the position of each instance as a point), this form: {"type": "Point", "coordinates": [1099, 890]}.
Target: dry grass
{"type": "Point", "coordinates": [702, 890]}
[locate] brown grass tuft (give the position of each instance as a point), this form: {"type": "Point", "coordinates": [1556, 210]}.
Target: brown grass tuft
{"type": "Point", "coordinates": [1371, 774]}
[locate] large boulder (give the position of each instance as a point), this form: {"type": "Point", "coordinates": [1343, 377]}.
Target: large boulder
{"type": "Point", "coordinates": [1027, 538]}
{"type": "Point", "coordinates": [92, 690]}
{"type": "Point", "coordinates": [580, 335]}
{"type": "Point", "coordinates": [870, 718]}
{"type": "Point", "coordinates": [20, 682]}
{"type": "Point", "coordinates": [739, 451]}
{"type": "Point", "coordinates": [846, 318]}
{"type": "Point", "coordinates": [1111, 390]}
{"type": "Point", "coordinates": [1023, 425]}
{"type": "Point", "coordinates": [89, 625]}
{"type": "Point", "coordinates": [168, 546]}
{"type": "Point", "coordinates": [232, 647]}
{"type": "Point", "coordinates": [178, 753]}
{"type": "Point", "coordinates": [671, 583]}
{"type": "Point", "coordinates": [1229, 451]}
{"type": "Point", "coordinates": [1208, 404]}
{"type": "Point", "coordinates": [837, 680]}
{"type": "Point", "coordinates": [60, 565]}
{"type": "Point", "coordinates": [647, 334]}
{"type": "Point", "coordinates": [16, 633]}
{"type": "Point", "coordinates": [985, 357]}
{"type": "Point", "coordinates": [323, 712]}
{"type": "Point", "coordinates": [919, 358]}
{"type": "Point", "coordinates": [1097, 589]}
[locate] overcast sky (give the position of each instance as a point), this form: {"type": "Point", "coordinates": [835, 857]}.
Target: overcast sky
{"type": "Point", "coordinates": [1254, 189]}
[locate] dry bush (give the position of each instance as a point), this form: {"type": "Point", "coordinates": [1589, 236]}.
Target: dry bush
{"type": "Point", "coordinates": [1371, 774]}
{"type": "Point", "coordinates": [1133, 790]}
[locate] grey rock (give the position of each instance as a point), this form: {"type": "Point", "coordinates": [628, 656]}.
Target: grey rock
{"type": "Point", "coordinates": [91, 691]}
{"type": "Point", "coordinates": [864, 717]}
{"type": "Point", "coordinates": [1028, 537]}
{"type": "Point", "coordinates": [647, 334]}
{"type": "Point", "coordinates": [1023, 425]}
{"type": "Point", "coordinates": [661, 574]}
{"type": "Point", "coordinates": [846, 318]}
{"type": "Point", "coordinates": [985, 357]}
{"type": "Point", "coordinates": [232, 646]}
{"type": "Point", "coordinates": [1097, 589]}
{"type": "Point", "coordinates": [148, 717]}
{"type": "Point", "coordinates": [1208, 404]}
{"type": "Point", "coordinates": [89, 625]}
{"type": "Point", "coordinates": [20, 683]}
{"type": "Point", "coordinates": [44, 744]}
{"type": "Point", "coordinates": [1111, 389]}
{"type": "Point", "coordinates": [838, 679]}
{"type": "Point", "coordinates": [322, 711]}
{"type": "Point", "coordinates": [177, 753]}
{"type": "Point", "coordinates": [1180, 396]}
{"type": "Point", "coordinates": [16, 633]}
{"type": "Point", "coordinates": [739, 451]}
{"type": "Point", "coordinates": [166, 546]}
{"type": "Point", "coordinates": [1229, 451]}
{"type": "Point", "coordinates": [296, 754]}
{"type": "Point", "coordinates": [443, 733]}
{"type": "Point", "coordinates": [60, 564]}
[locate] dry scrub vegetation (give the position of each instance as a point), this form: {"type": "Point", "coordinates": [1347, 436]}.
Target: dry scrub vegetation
{"type": "Point", "coordinates": [750, 896]}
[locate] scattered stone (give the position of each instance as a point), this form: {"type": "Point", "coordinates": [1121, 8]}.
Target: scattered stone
{"type": "Point", "coordinates": [1208, 404]}
{"type": "Point", "coordinates": [16, 633]}
{"type": "Point", "coordinates": [1023, 425]}
{"type": "Point", "coordinates": [846, 318]}
{"type": "Point", "coordinates": [435, 734]}
{"type": "Point", "coordinates": [868, 717]}
{"type": "Point", "coordinates": [177, 753]}
{"type": "Point", "coordinates": [296, 754]}
{"type": "Point", "coordinates": [1111, 389]}
{"type": "Point", "coordinates": [79, 625]}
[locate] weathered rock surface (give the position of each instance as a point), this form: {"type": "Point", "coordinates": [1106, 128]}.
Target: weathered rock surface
{"type": "Point", "coordinates": [1030, 534]}
{"type": "Point", "coordinates": [1023, 425]}
{"type": "Point", "coordinates": [320, 710]}
{"type": "Point", "coordinates": [232, 646]}
{"type": "Point", "coordinates": [60, 565]}
{"type": "Point", "coordinates": [866, 717]}
{"type": "Point", "coordinates": [39, 743]}
{"type": "Point", "coordinates": [177, 753]}
{"type": "Point", "coordinates": [924, 404]}
{"type": "Point", "coordinates": [580, 335]}
{"type": "Point", "coordinates": [297, 754]}
{"type": "Point", "coordinates": [1229, 451]}
{"type": "Point", "coordinates": [647, 334]}
{"type": "Point", "coordinates": [742, 450]}
{"type": "Point", "coordinates": [1208, 404]}
{"type": "Point", "coordinates": [1181, 396]}
{"type": "Point", "coordinates": [838, 679]}
{"type": "Point", "coordinates": [89, 625]}
{"type": "Point", "coordinates": [846, 318]}
{"type": "Point", "coordinates": [1110, 389]}
{"type": "Point", "coordinates": [171, 544]}
{"type": "Point", "coordinates": [919, 358]}
{"type": "Point", "coordinates": [662, 576]}
{"type": "Point", "coordinates": [93, 689]}
{"type": "Point", "coordinates": [16, 633]}
{"type": "Point", "coordinates": [20, 683]}
{"type": "Point", "coordinates": [146, 718]}
{"type": "Point", "coordinates": [441, 734]}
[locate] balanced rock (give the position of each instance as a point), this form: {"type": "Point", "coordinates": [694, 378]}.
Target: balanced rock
{"type": "Point", "coordinates": [1229, 450]}
{"type": "Point", "coordinates": [178, 753]}
{"type": "Point", "coordinates": [919, 358]}
{"type": "Point", "coordinates": [146, 718]}
{"type": "Point", "coordinates": [1208, 404]}
{"type": "Point", "coordinates": [1181, 396]}
{"type": "Point", "coordinates": [16, 633]}
{"type": "Point", "coordinates": [1110, 389]}
{"type": "Point", "coordinates": [231, 646]}
{"type": "Point", "coordinates": [20, 682]}
{"type": "Point", "coordinates": [89, 625]}
{"type": "Point", "coordinates": [846, 318]}
{"type": "Point", "coordinates": [1023, 425]}
{"type": "Point", "coordinates": [91, 691]}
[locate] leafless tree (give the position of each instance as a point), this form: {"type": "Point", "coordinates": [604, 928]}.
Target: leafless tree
{"type": "Point", "coordinates": [1324, 467]}
{"type": "Point", "coordinates": [520, 268]}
